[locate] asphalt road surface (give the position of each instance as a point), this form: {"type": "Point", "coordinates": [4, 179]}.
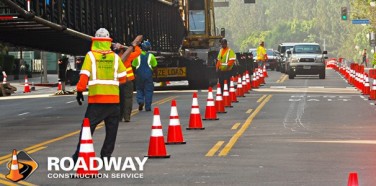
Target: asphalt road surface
{"type": "Point", "coordinates": [304, 131]}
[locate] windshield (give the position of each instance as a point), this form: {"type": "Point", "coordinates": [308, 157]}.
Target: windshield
{"type": "Point", "coordinates": [303, 49]}
{"type": "Point", "coordinates": [196, 22]}
{"type": "Point", "coordinates": [270, 52]}
{"type": "Point", "coordinates": [284, 48]}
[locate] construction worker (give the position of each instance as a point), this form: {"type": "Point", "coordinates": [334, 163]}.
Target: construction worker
{"type": "Point", "coordinates": [126, 89]}
{"type": "Point", "coordinates": [225, 61]}
{"type": "Point", "coordinates": [261, 55]}
{"type": "Point", "coordinates": [103, 70]}
{"type": "Point", "coordinates": [144, 65]}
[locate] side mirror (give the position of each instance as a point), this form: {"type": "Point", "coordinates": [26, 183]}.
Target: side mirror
{"type": "Point", "coordinates": [289, 52]}
{"type": "Point", "coordinates": [325, 52]}
{"type": "Point", "coordinates": [223, 32]}
{"type": "Point", "coordinates": [326, 57]}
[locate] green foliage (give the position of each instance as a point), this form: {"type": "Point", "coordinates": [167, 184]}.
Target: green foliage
{"type": "Point", "coordinates": [276, 21]}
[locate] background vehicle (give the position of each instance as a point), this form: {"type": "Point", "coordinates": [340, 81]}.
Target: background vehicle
{"type": "Point", "coordinates": [306, 59]}
{"type": "Point", "coordinates": [271, 63]}
{"type": "Point", "coordinates": [197, 57]}
{"type": "Point", "coordinates": [282, 53]}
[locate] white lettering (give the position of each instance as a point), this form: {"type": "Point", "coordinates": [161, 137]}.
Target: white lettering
{"type": "Point", "coordinates": [80, 164]}
{"type": "Point", "coordinates": [92, 163]}
{"type": "Point", "coordinates": [53, 162]}
{"type": "Point", "coordinates": [112, 163]}
{"type": "Point", "coordinates": [62, 164]}
{"type": "Point", "coordinates": [128, 163]}
{"type": "Point", "coordinates": [141, 163]}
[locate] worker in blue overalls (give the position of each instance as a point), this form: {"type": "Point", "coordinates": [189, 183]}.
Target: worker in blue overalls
{"type": "Point", "coordinates": [144, 65]}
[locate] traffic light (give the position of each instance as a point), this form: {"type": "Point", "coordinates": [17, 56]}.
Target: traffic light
{"type": "Point", "coordinates": [344, 13]}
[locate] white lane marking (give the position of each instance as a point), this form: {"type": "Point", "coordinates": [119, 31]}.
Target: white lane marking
{"type": "Point", "coordinates": [70, 102]}
{"type": "Point", "coordinates": [24, 113]}
{"type": "Point", "coordinates": [277, 86]}
{"type": "Point", "coordinates": [372, 103]}
{"type": "Point", "coordinates": [48, 107]}
{"type": "Point", "coordinates": [316, 87]}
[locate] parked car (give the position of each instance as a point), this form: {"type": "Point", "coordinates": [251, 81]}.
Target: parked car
{"type": "Point", "coordinates": [271, 63]}
{"type": "Point", "coordinates": [306, 59]}
{"type": "Point", "coordinates": [282, 54]}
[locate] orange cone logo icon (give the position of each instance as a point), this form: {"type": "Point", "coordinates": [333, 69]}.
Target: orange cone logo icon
{"type": "Point", "coordinates": [21, 166]}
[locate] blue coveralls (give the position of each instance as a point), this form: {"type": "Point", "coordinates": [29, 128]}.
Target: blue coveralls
{"type": "Point", "coordinates": [144, 82]}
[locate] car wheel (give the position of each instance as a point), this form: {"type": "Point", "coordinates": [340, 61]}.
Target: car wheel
{"type": "Point", "coordinates": [322, 75]}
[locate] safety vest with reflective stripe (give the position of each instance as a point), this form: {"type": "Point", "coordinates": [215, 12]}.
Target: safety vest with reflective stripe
{"type": "Point", "coordinates": [139, 61]}
{"type": "Point", "coordinates": [225, 58]}
{"type": "Point", "coordinates": [104, 71]}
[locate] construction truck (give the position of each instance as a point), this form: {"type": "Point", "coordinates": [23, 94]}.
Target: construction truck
{"type": "Point", "coordinates": [197, 56]}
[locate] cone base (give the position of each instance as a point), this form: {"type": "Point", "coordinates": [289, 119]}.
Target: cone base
{"type": "Point", "coordinates": [211, 119]}
{"type": "Point", "coordinates": [234, 101]}
{"type": "Point", "coordinates": [175, 143]}
{"type": "Point", "coordinates": [222, 112]}
{"type": "Point", "coordinates": [14, 176]}
{"type": "Point", "coordinates": [166, 156]}
{"type": "Point", "coordinates": [196, 128]}
{"type": "Point", "coordinates": [229, 106]}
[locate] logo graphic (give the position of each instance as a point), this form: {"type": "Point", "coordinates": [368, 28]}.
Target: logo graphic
{"type": "Point", "coordinates": [21, 166]}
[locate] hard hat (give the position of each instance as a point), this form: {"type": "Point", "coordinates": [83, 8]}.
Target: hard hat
{"type": "Point", "coordinates": [102, 32]}
{"type": "Point", "coordinates": [146, 45]}
{"type": "Point", "coordinates": [224, 41]}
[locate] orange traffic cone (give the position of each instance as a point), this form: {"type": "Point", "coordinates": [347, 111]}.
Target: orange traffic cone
{"type": "Point", "coordinates": [366, 88]}
{"type": "Point", "coordinates": [157, 147]}
{"type": "Point", "coordinates": [226, 95]}
{"type": "Point", "coordinates": [265, 73]}
{"type": "Point", "coordinates": [14, 172]}
{"type": "Point", "coordinates": [244, 85]}
{"type": "Point", "coordinates": [372, 95]}
{"type": "Point", "coordinates": [232, 91]}
{"type": "Point", "coordinates": [219, 104]}
{"type": "Point", "coordinates": [239, 88]}
{"type": "Point", "coordinates": [174, 135]}
{"type": "Point", "coordinates": [195, 121]}
{"type": "Point", "coordinates": [248, 81]}
{"type": "Point", "coordinates": [4, 77]}
{"type": "Point", "coordinates": [59, 87]}
{"type": "Point", "coordinates": [210, 112]}
{"type": "Point", "coordinates": [262, 77]}
{"type": "Point", "coordinates": [353, 179]}
{"type": "Point", "coordinates": [87, 150]}
{"type": "Point", "coordinates": [254, 80]}
{"type": "Point", "coordinates": [26, 87]}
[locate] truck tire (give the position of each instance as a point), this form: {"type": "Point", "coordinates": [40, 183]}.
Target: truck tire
{"type": "Point", "coordinates": [322, 75]}
{"type": "Point", "coordinates": [291, 75]}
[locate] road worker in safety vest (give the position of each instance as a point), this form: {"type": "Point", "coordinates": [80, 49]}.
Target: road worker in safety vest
{"type": "Point", "coordinates": [144, 65]}
{"type": "Point", "coordinates": [103, 71]}
{"type": "Point", "coordinates": [261, 55]}
{"type": "Point", "coordinates": [225, 61]}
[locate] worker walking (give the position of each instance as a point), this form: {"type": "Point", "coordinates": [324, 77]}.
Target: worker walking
{"type": "Point", "coordinates": [126, 89]}
{"type": "Point", "coordinates": [103, 70]}
{"type": "Point", "coordinates": [225, 61]}
{"type": "Point", "coordinates": [261, 55]}
{"type": "Point", "coordinates": [144, 65]}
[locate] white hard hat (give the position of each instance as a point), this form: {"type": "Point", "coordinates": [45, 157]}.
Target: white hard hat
{"type": "Point", "coordinates": [102, 32]}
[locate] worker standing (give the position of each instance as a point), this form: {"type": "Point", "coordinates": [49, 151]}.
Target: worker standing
{"type": "Point", "coordinates": [103, 70]}
{"type": "Point", "coordinates": [225, 61]}
{"type": "Point", "coordinates": [126, 89]}
{"type": "Point", "coordinates": [144, 65]}
{"type": "Point", "coordinates": [261, 54]}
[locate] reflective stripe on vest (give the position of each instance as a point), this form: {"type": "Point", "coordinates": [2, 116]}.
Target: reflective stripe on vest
{"type": "Point", "coordinates": [129, 72]}
{"type": "Point", "coordinates": [95, 81]}
{"type": "Point", "coordinates": [139, 61]}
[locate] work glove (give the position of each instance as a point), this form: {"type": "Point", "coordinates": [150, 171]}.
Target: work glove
{"type": "Point", "coordinates": [80, 98]}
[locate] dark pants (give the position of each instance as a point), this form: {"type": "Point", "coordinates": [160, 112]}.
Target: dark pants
{"type": "Point", "coordinates": [224, 75]}
{"type": "Point", "coordinates": [96, 114]}
{"type": "Point", "coordinates": [126, 100]}
{"type": "Point", "coordinates": [145, 89]}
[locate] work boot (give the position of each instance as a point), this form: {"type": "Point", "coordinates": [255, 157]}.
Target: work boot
{"type": "Point", "coordinates": [147, 108]}
{"type": "Point", "coordinates": [140, 106]}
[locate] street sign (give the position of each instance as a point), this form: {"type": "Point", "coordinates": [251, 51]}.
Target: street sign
{"type": "Point", "coordinates": [360, 21]}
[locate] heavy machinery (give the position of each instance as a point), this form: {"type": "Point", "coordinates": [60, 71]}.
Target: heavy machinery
{"type": "Point", "coordinates": [196, 59]}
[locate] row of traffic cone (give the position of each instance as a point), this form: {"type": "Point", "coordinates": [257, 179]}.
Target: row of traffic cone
{"type": "Point", "coordinates": [157, 148]}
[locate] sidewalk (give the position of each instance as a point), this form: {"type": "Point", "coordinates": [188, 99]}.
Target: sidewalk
{"type": "Point", "coordinates": [40, 88]}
